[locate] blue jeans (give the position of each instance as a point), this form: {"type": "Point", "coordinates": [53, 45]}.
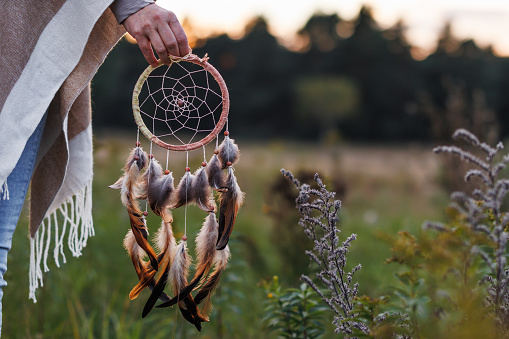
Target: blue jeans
{"type": "Point", "coordinates": [10, 210]}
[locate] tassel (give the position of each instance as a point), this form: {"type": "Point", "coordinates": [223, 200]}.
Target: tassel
{"type": "Point", "coordinates": [229, 204]}
{"type": "Point", "coordinates": [215, 174]}
{"type": "Point", "coordinates": [205, 293]}
{"type": "Point", "coordinates": [159, 189]}
{"type": "Point", "coordinates": [228, 152]}
{"type": "Point", "coordinates": [201, 194]}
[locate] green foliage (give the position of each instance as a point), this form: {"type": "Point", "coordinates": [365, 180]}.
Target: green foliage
{"type": "Point", "coordinates": [293, 313]}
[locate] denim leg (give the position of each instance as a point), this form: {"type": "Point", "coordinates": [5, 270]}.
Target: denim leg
{"type": "Point", "coordinates": [10, 210]}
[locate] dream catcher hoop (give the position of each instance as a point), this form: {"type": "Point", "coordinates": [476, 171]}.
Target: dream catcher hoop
{"type": "Point", "coordinates": [180, 107]}
{"type": "Point", "coordinates": [181, 102]}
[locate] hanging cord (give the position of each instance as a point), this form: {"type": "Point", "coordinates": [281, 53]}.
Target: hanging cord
{"type": "Point", "coordinates": [204, 156]}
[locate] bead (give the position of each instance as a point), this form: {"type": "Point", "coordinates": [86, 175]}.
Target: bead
{"type": "Point", "coordinates": [188, 169]}
{"type": "Point", "coordinates": [228, 163]}
{"type": "Point", "coordinates": [167, 172]}
{"type": "Point", "coordinates": [145, 213]}
{"type": "Point", "coordinates": [151, 156]}
{"type": "Point", "coordinates": [180, 103]}
{"type": "Point", "coordinates": [226, 133]}
{"type": "Point", "coordinates": [136, 157]}
{"type": "Point", "coordinates": [138, 143]}
{"type": "Point", "coordinates": [204, 163]}
{"type": "Point", "coordinates": [216, 152]}
{"type": "Point", "coordinates": [184, 238]}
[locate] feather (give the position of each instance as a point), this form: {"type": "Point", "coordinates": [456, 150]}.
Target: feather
{"type": "Point", "coordinates": [229, 204]}
{"type": "Point", "coordinates": [183, 194]}
{"type": "Point", "coordinates": [156, 291]}
{"type": "Point", "coordinates": [206, 250]}
{"type": "Point", "coordinates": [201, 194]}
{"type": "Point", "coordinates": [159, 189]}
{"type": "Point", "coordinates": [206, 245]}
{"type": "Point", "coordinates": [228, 152]}
{"type": "Point", "coordinates": [191, 313]}
{"type": "Point", "coordinates": [205, 293]}
{"type": "Point", "coordinates": [215, 175]}
{"type": "Point", "coordinates": [167, 248]}
{"type": "Point", "coordinates": [136, 161]}
{"type": "Point", "coordinates": [145, 274]}
{"type": "Point", "coordinates": [180, 268]}
{"type": "Point", "coordinates": [140, 232]}
{"type": "Point", "coordinates": [178, 278]}
{"type": "Point", "coordinates": [136, 156]}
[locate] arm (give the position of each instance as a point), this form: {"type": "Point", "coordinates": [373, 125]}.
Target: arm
{"type": "Point", "coordinates": [155, 27]}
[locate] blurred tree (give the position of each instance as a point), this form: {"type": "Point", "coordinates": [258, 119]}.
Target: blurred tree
{"type": "Point", "coordinates": [262, 76]}
{"type": "Point", "coordinates": [256, 70]}
{"type": "Point", "coordinates": [326, 101]}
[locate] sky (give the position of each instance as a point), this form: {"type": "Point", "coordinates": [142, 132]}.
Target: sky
{"type": "Point", "coordinates": [486, 21]}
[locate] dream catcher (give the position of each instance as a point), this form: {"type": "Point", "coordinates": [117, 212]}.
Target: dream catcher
{"type": "Point", "coordinates": [180, 107]}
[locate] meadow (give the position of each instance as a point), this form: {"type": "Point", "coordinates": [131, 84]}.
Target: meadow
{"type": "Point", "coordinates": [384, 189]}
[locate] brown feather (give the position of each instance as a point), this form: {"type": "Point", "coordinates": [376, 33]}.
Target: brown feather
{"type": "Point", "coordinates": [138, 156]}
{"type": "Point", "coordinates": [230, 202]}
{"type": "Point", "coordinates": [201, 192]}
{"type": "Point", "coordinates": [136, 253]}
{"type": "Point", "coordinates": [140, 232]}
{"type": "Point", "coordinates": [205, 293]}
{"type": "Point", "coordinates": [178, 277]}
{"type": "Point", "coordinates": [159, 189]}
{"type": "Point", "coordinates": [167, 247]}
{"type": "Point", "coordinates": [206, 250]}
{"type": "Point", "coordinates": [183, 194]}
{"type": "Point", "coordinates": [215, 175]}
{"type": "Point", "coordinates": [228, 152]}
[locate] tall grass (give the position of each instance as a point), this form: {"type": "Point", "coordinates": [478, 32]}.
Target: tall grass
{"type": "Point", "coordinates": [88, 297]}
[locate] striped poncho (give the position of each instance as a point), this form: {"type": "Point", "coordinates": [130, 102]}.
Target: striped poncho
{"type": "Point", "coordinates": [49, 52]}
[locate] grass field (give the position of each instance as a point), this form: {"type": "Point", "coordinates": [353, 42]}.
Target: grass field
{"type": "Point", "coordinates": [387, 189]}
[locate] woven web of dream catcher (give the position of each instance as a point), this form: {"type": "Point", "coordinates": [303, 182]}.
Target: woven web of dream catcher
{"type": "Point", "coordinates": [180, 105]}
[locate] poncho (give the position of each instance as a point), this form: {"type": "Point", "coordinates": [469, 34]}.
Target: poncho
{"type": "Point", "coordinates": [50, 51]}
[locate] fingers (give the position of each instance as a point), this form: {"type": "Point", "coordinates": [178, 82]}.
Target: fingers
{"type": "Point", "coordinates": [158, 29]}
{"type": "Point", "coordinates": [146, 50]}
{"type": "Point", "coordinates": [169, 43]}
{"type": "Point", "coordinates": [180, 37]}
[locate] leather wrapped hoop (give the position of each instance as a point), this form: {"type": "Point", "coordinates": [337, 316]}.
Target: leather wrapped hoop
{"type": "Point", "coordinates": [219, 125]}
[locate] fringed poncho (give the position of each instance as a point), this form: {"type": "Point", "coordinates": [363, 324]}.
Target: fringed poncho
{"type": "Point", "coordinates": [50, 51]}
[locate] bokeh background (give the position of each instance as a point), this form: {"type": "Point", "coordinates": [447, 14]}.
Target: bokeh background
{"type": "Point", "coordinates": [358, 92]}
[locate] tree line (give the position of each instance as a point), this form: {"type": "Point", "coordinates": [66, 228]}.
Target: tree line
{"type": "Point", "coordinates": [350, 80]}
